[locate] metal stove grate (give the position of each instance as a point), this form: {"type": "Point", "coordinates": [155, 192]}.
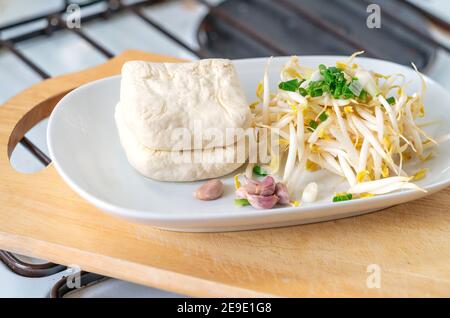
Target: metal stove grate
{"type": "Point", "coordinates": [234, 29]}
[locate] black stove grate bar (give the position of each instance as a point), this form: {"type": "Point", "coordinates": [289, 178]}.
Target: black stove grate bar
{"type": "Point", "coordinates": [147, 19]}
{"type": "Point", "coordinates": [47, 15]}
{"type": "Point", "coordinates": [35, 151]}
{"type": "Point", "coordinates": [92, 42]}
{"type": "Point", "coordinates": [10, 47]}
{"type": "Point", "coordinates": [25, 142]}
{"type": "Point", "coordinates": [434, 19]}
{"type": "Point", "coordinates": [114, 7]}
{"type": "Point", "coordinates": [29, 270]}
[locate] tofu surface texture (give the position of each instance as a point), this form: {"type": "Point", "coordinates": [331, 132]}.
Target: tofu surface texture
{"type": "Point", "coordinates": [160, 98]}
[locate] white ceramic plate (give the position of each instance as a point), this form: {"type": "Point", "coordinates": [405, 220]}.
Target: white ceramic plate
{"type": "Point", "coordinates": [85, 149]}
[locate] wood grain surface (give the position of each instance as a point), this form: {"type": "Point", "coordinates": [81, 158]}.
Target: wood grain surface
{"type": "Point", "coordinates": [41, 217]}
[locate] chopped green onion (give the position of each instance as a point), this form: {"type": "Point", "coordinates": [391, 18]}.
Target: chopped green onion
{"type": "Point", "coordinates": [391, 100]}
{"type": "Point", "coordinates": [347, 94]}
{"type": "Point", "coordinates": [241, 202]}
{"type": "Point", "coordinates": [316, 93]}
{"type": "Point", "coordinates": [290, 86]}
{"type": "Point", "coordinates": [343, 197]}
{"type": "Point", "coordinates": [363, 95]}
{"type": "Point", "coordinates": [259, 171]}
{"type": "Point", "coordinates": [313, 124]}
{"type": "Point", "coordinates": [322, 69]}
{"type": "Point", "coordinates": [333, 82]}
{"type": "Point", "coordinates": [303, 91]}
{"type": "Point", "coordinates": [323, 116]}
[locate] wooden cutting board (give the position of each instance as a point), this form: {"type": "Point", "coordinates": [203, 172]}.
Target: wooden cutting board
{"type": "Point", "coordinates": [41, 217]}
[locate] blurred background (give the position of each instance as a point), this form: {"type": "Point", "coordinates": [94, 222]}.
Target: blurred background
{"type": "Point", "coordinates": [45, 38]}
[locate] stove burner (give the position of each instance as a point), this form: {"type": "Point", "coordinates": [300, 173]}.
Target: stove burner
{"type": "Point", "coordinates": [250, 28]}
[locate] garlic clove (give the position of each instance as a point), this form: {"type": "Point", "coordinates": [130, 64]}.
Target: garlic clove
{"type": "Point", "coordinates": [241, 193]}
{"type": "Point", "coordinates": [265, 187]}
{"type": "Point", "coordinates": [211, 190]}
{"type": "Point", "coordinates": [281, 192]}
{"type": "Point", "coordinates": [262, 202]}
{"type": "Point", "coordinates": [250, 188]}
{"type": "Point", "coordinates": [268, 186]}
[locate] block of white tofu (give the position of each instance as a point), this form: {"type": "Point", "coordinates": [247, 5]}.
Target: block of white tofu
{"type": "Point", "coordinates": [158, 98]}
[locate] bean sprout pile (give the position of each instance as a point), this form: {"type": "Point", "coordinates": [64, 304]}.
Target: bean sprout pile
{"type": "Point", "coordinates": [353, 122]}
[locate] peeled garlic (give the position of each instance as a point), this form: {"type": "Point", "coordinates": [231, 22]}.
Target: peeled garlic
{"type": "Point", "coordinates": [310, 192]}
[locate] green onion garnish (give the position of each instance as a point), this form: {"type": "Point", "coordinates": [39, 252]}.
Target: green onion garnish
{"type": "Point", "coordinates": [313, 124]}
{"type": "Point", "coordinates": [334, 82]}
{"type": "Point", "coordinates": [290, 86]}
{"type": "Point", "coordinates": [391, 100]}
{"type": "Point", "coordinates": [241, 202]}
{"type": "Point", "coordinates": [322, 69]}
{"type": "Point", "coordinates": [323, 116]}
{"type": "Point", "coordinates": [363, 95]}
{"type": "Point", "coordinates": [259, 171]}
{"type": "Point", "coordinates": [316, 93]}
{"type": "Point", "coordinates": [303, 91]}
{"type": "Point", "coordinates": [343, 197]}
